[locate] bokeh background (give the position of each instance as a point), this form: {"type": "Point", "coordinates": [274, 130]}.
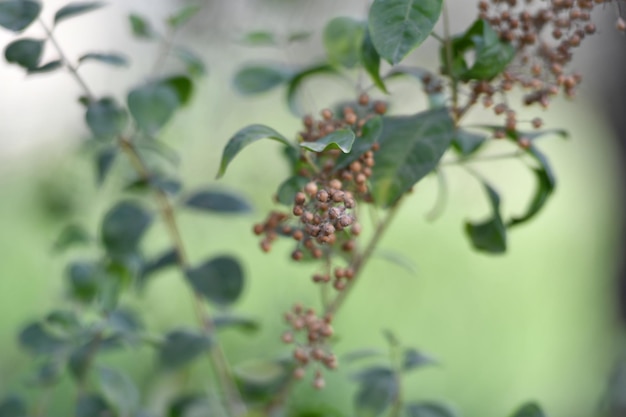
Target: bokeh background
{"type": "Point", "coordinates": [539, 323]}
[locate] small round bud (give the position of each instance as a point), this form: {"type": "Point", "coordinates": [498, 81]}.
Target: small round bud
{"type": "Point", "coordinates": [317, 253]}
{"type": "Point", "coordinates": [307, 217]}
{"type": "Point", "coordinates": [338, 196]}
{"type": "Point", "coordinates": [310, 188]}
{"type": "Point", "coordinates": [322, 195]}
{"type": "Point", "coordinates": [298, 373]}
{"type": "Point", "coordinates": [348, 246]}
{"type": "Point", "coordinates": [327, 114]}
{"type": "Point", "coordinates": [266, 245]}
{"type": "Point", "coordinates": [298, 210]}
{"type": "Point", "coordinates": [300, 198]}
{"type": "Point", "coordinates": [334, 213]}
{"type": "Point", "coordinates": [524, 143]}
{"type": "Point", "coordinates": [339, 273]}
{"type": "Point", "coordinates": [339, 285]}
{"type": "Point", "coordinates": [298, 235]}
{"type": "Point", "coordinates": [346, 221]}
{"type": "Point", "coordinates": [297, 255]}
{"type": "Point", "coordinates": [364, 99]}
{"type": "Point", "coordinates": [349, 203]}
{"type": "Point", "coordinates": [356, 166]}
{"type": "Point", "coordinates": [537, 123]}
{"type": "Point", "coordinates": [287, 337]}
{"type": "Point", "coordinates": [258, 229]}
{"type": "Point", "coordinates": [350, 118]}
{"type": "Point", "coordinates": [300, 355]}
{"type": "Point", "coordinates": [356, 229]}
{"type": "Point", "coordinates": [335, 184]}
{"type": "Point", "coordinates": [349, 273]}
{"type": "Point", "coordinates": [319, 383]}
{"type": "Point", "coordinates": [380, 107]}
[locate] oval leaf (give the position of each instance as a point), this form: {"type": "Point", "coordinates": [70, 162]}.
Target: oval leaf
{"type": "Point", "coordinates": [430, 409]}
{"type": "Point", "coordinates": [378, 388]}
{"type": "Point", "coordinates": [17, 15]}
{"type": "Point", "coordinates": [219, 280]}
{"type": "Point", "coordinates": [371, 61]}
{"type": "Point", "coordinates": [85, 280]}
{"type": "Point", "coordinates": [415, 359]}
{"type": "Point", "coordinates": [75, 9]}
{"type": "Point", "coordinates": [36, 339]}
{"type": "Point", "coordinates": [490, 235]}
{"type": "Point", "coordinates": [140, 27]}
{"type": "Point", "coordinates": [193, 63]}
{"type": "Point", "coordinates": [24, 52]}
{"type": "Point", "coordinates": [110, 58]}
{"type": "Point", "coordinates": [181, 347]}
{"type": "Point", "coordinates": [339, 139]}
{"type": "Point", "coordinates": [257, 79]}
{"type": "Point", "coordinates": [218, 202]}
{"type": "Point", "coordinates": [529, 410]}
{"type": "Point", "coordinates": [410, 148]}
{"type": "Point", "coordinates": [106, 118]}
{"type": "Point", "coordinates": [124, 226]}
{"type": "Point", "coordinates": [245, 137]}
{"type": "Point", "coordinates": [183, 16]}
{"type": "Point", "coordinates": [259, 38]}
{"type": "Point", "coordinates": [342, 39]}
{"type": "Point", "coordinates": [104, 161]}
{"type": "Point", "coordinates": [47, 67]}
{"type": "Point", "coordinates": [370, 132]}
{"type": "Point", "coordinates": [237, 322]}
{"type": "Point", "coordinates": [119, 390]}
{"type": "Point", "coordinates": [399, 26]}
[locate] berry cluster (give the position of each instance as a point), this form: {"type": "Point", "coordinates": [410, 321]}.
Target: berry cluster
{"type": "Point", "coordinates": [314, 348]}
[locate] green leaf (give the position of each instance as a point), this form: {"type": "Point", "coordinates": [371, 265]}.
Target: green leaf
{"type": "Point", "coordinates": [119, 390]}
{"type": "Point", "coordinates": [378, 388]}
{"type": "Point", "coordinates": [371, 61]}
{"type": "Point", "coordinates": [123, 227]}
{"type": "Point", "coordinates": [114, 59]}
{"type": "Point", "coordinates": [47, 67]}
{"type": "Point", "coordinates": [153, 105]}
{"type": "Point", "coordinates": [193, 63]}
{"type": "Point", "coordinates": [415, 359]}
{"type": "Point", "coordinates": [189, 405]}
{"type": "Point", "coordinates": [104, 161]}
{"type": "Point", "coordinates": [260, 372]}
{"type": "Point", "coordinates": [125, 322]}
{"type": "Point", "coordinates": [399, 26]}
{"type": "Point", "coordinates": [85, 280]}
{"type": "Point", "coordinates": [363, 354]}
{"type": "Point", "coordinates": [259, 38]}
{"type": "Point", "coordinates": [24, 52]}
{"type": "Point", "coordinates": [530, 409]}
{"type": "Point", "coordinates": [299, 36]}
{"type": "Point", "coordinates": [432, 84]}
{"type": "Point", "coordinates": [410, 148]}
{"type": "Point", "coordinates": [342, 39]}
{"type": "Point", "coordinates": [75, 9]}
{"type": "Point", "coordinates": [140, 27]}
{"type": "Point", "coordinates": [218, 202]}
{"type": "Point", "coordinates": [288, 189]}
{"type": "Point", "coordinates": [293, 88]}
{"type": "Point", "coordinates": [466, 142]}
{"type": "Point", "coordinates": [63, 321]}
{"type": "Point", "coordinates": [181, 347]}
{"type": "Point", "coordinates": [220, 280]}
{"type": "Point", "coordinates": [92, 405]}
{"type": "Point", "coordinates": [180, 18]}
{"type": "Point", "coordinates": [490, 235]}
{"type": "Point", "coordinates": [370, 133]}
{"type": "Point", "coordinates": [545, 187]}
{"type": "Point", "coordinates": [255, 79]}
{"type": "Point", "coordinates": [13, 406]}
{"type": "Point", "coordinates": [339, 139]}
{"type": "Point", "coordinates": [237, 322]}
{"type": "Point", "coordinates": [17, 15]}
{"type": "Point", "coordinates": [492, 55]}
{"type": "Point", "coordinates": [46, 375]}
{"type": "Point", "coordinates": [38, 340]}
{"type": "Point", "coordinates": [245, 137]}
{"type": "Point", "coordinates": [72, 235]}
{"type": "Point", "coordinates": [164, 260]}
{"type": "Point", "coordinates": [430, 409]}
{"type": "Point", "coordinates": [106, 118]}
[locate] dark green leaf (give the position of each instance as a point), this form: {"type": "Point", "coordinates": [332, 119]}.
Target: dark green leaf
{"type": "Point", "coordinates": [391, 338]}
{"type": "Point", "coordinates": [245, 137]}
{"type": "Point", "coordinates": [71, 235]}
{"type": "Point", "coordinates": [339, 139]}
{"type": "Point", "coordinates": [370, 132]}
{"type": "Point", "coordinates": [36, 339]}
{"type": "Point", "coordinates": [293, 88]}
{"type": "Point", "coordinates": [363, 354]}
{"type": "Point", "coordinates": [75, 9]}
{"type": "Point", "coordinates": [259, 38]}
{"type": "Point", "coordinates": [220, 280]}
{"type": "Point", "coordinates": [104, 161]}
{"type": "Point", "coordinates": [237, 322]}
{"type": "Point", "coordinates": [106, 118]}
{"type": "Point", "coordinates": [92, 405]}
{"type": "Point", "coordinates": [63, 321]}
{"type": "Point", "coordinates": [13, 406]}
{"type": "Point", "coordinates": [156, 182]}
{"type": "Point", "coordinates": [47, 67]}
{"type": "Point", "coordinates": [183, 86]}
{"type": "Point", "coordinates": [85, 280]}
{"type": "Point", "coordinates": [124, 321]}
{"type": "Point", "coordinates": [530, 409]}
{"type": "Point", "coordinates": [430, 409]}
{"type": "Point", "coordinates": [193, 63]}
{"type": "Point", "coordinates": [492, 55]}
{"type": "Point", "coordinates": [181, 347]}
{"type": "Point", "coordinates": [189, 405]}
{"type": "Point", "coordinates": [181, 17]}
{"type": "Point", "coordinates": [140, 27]}
{"type": "Point", "coordinates": [466, 142]}
{"type": "Point", "coordinates": [545, 187]}
{"type": "Point", "coordinates": [342, 39]}
{"type": "Point", "coordinates": [124, 226]}
{"type": "Point", "coordinates": [288, 189]}
{"type": "Point", "coordinates": [415, 359]}
{"type": "Point", "coordinates": [24, 52]}
{"type": "Point", "coordinates": [490, 235]}
{"type": "Point", "coordinates": [399, 26]}
{"type": "Point", "coordinates": [257, 79]}
{"type": "Point", "coordinates": [46, 375]}
{"type": "Point", "coordinates": [371, 61]}
{"type": "Point", "coordinates": [120, 272]}
{"type": "Point", "coordinates": [218, 202]}
{"type": "Point", "coordinates": [119, 390]}
{"type": "Point", "coordinates": [164, 260]}
{"type": "Point", "coordinates": [260, 372]}
{"type": "Point", "coordinates": [17, 15]}
{"type": "Point", "coordinates": [410, 148]}
{"type": "Point", "coordinates": [114, 59]}
{"type": "Point", "coordinates": [298, 36]}
{"type": "Point", "coordinates": [378, 388]}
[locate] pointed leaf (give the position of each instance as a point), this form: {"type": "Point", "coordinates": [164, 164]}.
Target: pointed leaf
{"type": "Point", "coordinates": [396, 258]}
{"type": "Point", "coordinates": [123, 227]}
{"type": "Point", "coordinates": [342, 39]}
{"type": "Point", "coordinates": [259, 38]}
{"type": "Point", "coordinates": [119, 390]}
{"type": "Point", "coordinates": [529, 410]}
{"type": "Point", "coordinates": [114, 59]}
{"type": "Point", "coordinates": [140, 27]}
{"type": "Point", "coordinates": [181, 347]}
{"type": "Point", "coordinates": [72, 235]}
{"type": "Point", "coordinates": [363, 354]}
{"type": "Point", "coordinates": [370, 133]}
{"type": "Point", "coordinates": [47, 67]}
{"type": "Point", "coordinates": [259, 372]}
{"type": "Point", "coordinates": [399, 26]}
{"type": "Point", "coordinates": [194, 65]}
{"type": "Point", "coordinates": [378, 388]}
{"type": "Point", "coordinates": [257, 79]}
{"type": "Point", "coordinates": [189, 405]}
{"type": "Point", "coordinates": [339, 139]}
{"type": "Point", "coordinates": [430, 409]}
{"type": "Point", "coordinates": [243, 323]}
{"type": "Point", "coordinates": [104, 161]}
{"type": "Point", "coordinates": [490, 235]}
{"type": "Point", "coordinates": [415, 359]}
{"type": "Point", "coordinates": [466, 142]}
{"type": "Point", "coordinates": [180, 18]}
{"type": "Point", "coordinates": [220, 280]}
{"type": "Point", "coordinates": [371, 61]}
{"type": "Point", "coordinates": [24, 52]}
{"type": "Point", "coordinates": [17, 15]}
{"type": "Point", "coordinates": [36, 339]}
{"type": "Point", "coordinates": [410, 148]}
{"type": "Point", "coordinates": [298, 36]}
{"type": "Point", "coordinates": [75, 9]}
{"type": "Point", "coordinates": [106, 118]}
{"type": "Point", "coordinates": [217, 202]}
{"type": "Point", "coordinates": [245, 137]}
{"type": "Point", "coordinates": [166, 259]}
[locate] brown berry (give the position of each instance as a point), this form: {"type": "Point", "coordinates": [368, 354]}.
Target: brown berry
{"type": "Point", "coordinates": [258, 229]}
{"type": "Point", "coordinates": [297, 255]}
{"type": "Point", "coordinates": [310, 188]}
